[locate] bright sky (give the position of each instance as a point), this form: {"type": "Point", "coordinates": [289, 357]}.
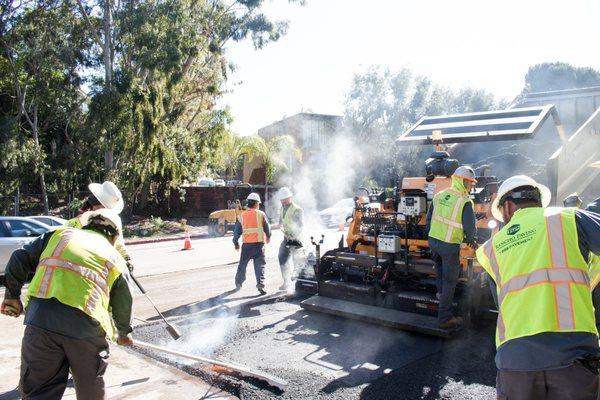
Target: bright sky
{"type": "Point", "coordinates": [477, 43]}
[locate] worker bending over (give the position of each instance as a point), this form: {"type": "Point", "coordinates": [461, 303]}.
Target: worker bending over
{"type": "Point", "coordinates": [255, 232]}
{"type": "Point", "coordinates": [105, 195]}
{"type": "Point", "coordinates": [450, 221]}
{"type": "Point", "coordinates": [291, 223]}
{"type": "Point", "coordinates": [77, 297]}
{"type": "Point", "coordinates": [546, 337]}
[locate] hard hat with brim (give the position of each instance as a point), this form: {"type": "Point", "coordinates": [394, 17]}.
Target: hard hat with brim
{"type": "Point", "coordinates": [108, 195]}
{"type": "Point", "coordinates": [254, 197]}
{"type": "Point", "coordinates": [595, 164]}
{"type": "Point", "coordinates": [515, 182]}
{"type": "Point", "coordinates": [103, 216]}
{"type": "Point", "coordinates": [465, 172]}
{"type": "Point", "coordinates": [284, 193]}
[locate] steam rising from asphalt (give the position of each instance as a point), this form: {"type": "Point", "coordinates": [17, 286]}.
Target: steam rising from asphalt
{"type": "Point", "coordinates": [203, 339]}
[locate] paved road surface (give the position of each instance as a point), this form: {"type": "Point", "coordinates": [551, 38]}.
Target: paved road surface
{"type": "Point", "coordinates": [320, 356]}
{"type": "Point", "coordinates": [184, 281]}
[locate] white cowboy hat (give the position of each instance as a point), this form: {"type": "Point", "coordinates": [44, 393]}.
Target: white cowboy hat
{"type": "Point", "coordinates": [514, 182]}
{"type": "Point", "coordinates": [108, 195]}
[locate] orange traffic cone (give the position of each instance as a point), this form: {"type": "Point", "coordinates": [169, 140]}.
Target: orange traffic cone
{"type": "Point", "coordinates": [187, 245]}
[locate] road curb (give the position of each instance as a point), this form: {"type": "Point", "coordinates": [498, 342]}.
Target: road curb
{"type": "Point", "coordinates": [164, 239]}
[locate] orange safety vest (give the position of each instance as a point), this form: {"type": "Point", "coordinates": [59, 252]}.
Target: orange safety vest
{"type": "Point", "coordinates": [252, 227]}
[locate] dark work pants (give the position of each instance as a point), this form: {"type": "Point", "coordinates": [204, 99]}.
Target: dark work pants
{"type": "Point", "coordinates": [447, 266]}
{"type": "Point", "coordinates": [256, 253]}
{"type": "Point", "coordinates": [571, 383]}
{"type": "Point", "coordinates": [45, 361]}
{"type": "Point", "coordinates": [285, 253]}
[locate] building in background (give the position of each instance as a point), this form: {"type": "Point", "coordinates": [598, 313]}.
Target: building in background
{"type": "Point", "coordinates": [311, 132]}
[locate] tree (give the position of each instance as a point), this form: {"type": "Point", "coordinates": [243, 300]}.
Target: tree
{"type": "Point", "coordinates": [559, 75]}
{"type": "Point", "coordinates": [278, 154]}
{"type": "Point", "coordinates": [42, 47]}
{"type": "Point", "coordinates": [382, 104]}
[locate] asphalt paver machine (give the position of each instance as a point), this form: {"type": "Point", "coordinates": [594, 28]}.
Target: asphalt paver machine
{"type": "Point", "coordinates": [383, 271]}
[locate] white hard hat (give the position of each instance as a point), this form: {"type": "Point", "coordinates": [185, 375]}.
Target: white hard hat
{"type": "Point", "coordinates": [254, 196]}
{"type": "Point", "coordinates": [514, 182]}
{"type": "Point", "coordinates": [103, 216]}
{"type": "Point", "coordinates": [284, 193]}
{"type": "Point", "coordinates": [595, 164]}
{"type": "Point", "coordinates": [465, 172]}
{"type": "Point", "coordinates": [108, 194]}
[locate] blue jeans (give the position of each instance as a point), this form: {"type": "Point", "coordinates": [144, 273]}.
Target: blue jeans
{"type": "Point", "coordinates": [256, 253]}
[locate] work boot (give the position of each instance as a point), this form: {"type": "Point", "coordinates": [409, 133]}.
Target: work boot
{"type": "Point", "coordinates": [238, 287]}
{"type": "Point", "coordinates": [262, 291]}
{"type": "Point", "coordinates": [452, 323]}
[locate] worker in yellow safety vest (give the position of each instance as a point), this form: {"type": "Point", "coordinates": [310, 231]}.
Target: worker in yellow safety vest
{"type": "Point", "coordinates": [253, 227]}
{"type": "Point", "coordinates": [77, 297]}
{"type": "Point", "coordinates": [546, 336]}
{"type": "Point", "coordinates": [450, 222]}
{"type": "Point", "coordinates": [105, 195]}
{"type": "Point", "coordinates": [291, 223]}
{"type": "Point", "coordinates": [573, 200]}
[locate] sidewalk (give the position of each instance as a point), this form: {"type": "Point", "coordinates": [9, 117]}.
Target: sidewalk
{"type": "Point", "coordinates": [129, 375]}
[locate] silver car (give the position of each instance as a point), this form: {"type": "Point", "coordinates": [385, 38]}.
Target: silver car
{"type": "Point", "coordinates": [14, 233]}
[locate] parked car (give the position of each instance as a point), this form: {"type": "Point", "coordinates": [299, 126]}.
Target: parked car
{"type": "Point", "coordinates": [219, 182]}
{"type": "Point", "coordinates": [14, 233]}
{"type": "Point", "coordinates": [233, 183]}
{"type": "Point", "coordinates": [339, 212]}
{"type": "Point", "coordinates": [49, 220]}
{"type": "Point", "coordinates": [206, 182]}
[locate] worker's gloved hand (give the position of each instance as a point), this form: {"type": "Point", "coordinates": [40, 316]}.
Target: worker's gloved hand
{"type": "Point", "coordinates": [125, 340]}
{"type": "Point", "coordinates": [237, 246]}
{"type": "Point", "coordinates": [473, 245]}
{"type": "Point", "coordinates": [12, 307]}
{"type": "Point", "coordinates": [129, 266]}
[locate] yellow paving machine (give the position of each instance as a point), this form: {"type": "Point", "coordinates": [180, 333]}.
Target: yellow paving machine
{"type": "Point", "coordinates": [383, 271]}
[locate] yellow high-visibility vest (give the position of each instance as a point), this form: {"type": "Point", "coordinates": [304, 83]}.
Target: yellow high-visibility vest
{"type": "Point", "coordinates": [541, 277]}
{"type": "Point", "coordinates": [289, 228]}
{"type": "Point", "coordinates": [448, 205]}
{"type": "Point", "coordinates": [78, 268]}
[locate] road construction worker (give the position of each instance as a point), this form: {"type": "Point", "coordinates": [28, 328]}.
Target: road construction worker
{"type": "Point", "coordinates": [291, 223]}
{"type": "Point", "coordinates": [573, 200]}
{"type": "Point", "coordinates": [594, 206]}
{"type": "Point", "coordinates": [546, 337]}
{"type": "Point", "coordinates": [105, 195]}
{"type": "Point", "coordinates": [253, 227]}
{"type": "Point", "coordinates": [450, 222]}
{"type": "Point", "coordinates": [77, 297]}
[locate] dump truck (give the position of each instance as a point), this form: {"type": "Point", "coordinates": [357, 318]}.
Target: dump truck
{"type": "Point", "coordinates": [383, 271]}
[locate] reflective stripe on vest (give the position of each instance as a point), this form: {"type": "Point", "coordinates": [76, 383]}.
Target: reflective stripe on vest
{"type": "Point", "coordinates": [563, 278]}
{"type": "Point", "coordinates": [252, 226]}
{"type": "Point", "coordinates": [78, 268]}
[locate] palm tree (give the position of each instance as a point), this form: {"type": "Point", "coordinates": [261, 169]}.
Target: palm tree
{"type": "Point", "coordinates": [277, 154]}
{"type": "Point", "coordinates": [233, 149]}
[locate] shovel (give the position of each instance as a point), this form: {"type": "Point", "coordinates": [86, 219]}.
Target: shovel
{"type": "Point", "coordinates": [173, 331]}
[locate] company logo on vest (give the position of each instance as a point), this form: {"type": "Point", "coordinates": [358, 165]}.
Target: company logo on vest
{"type": "Point", "coordinates": [513, 229]}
